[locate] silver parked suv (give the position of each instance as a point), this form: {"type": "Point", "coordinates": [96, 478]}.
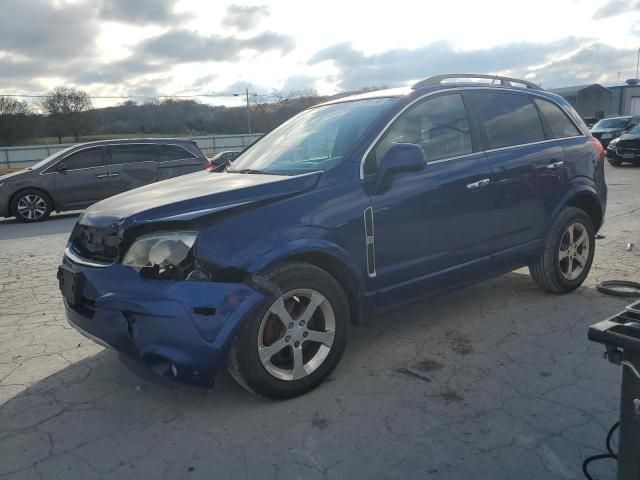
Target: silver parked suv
{"type": "Point", "coordinates": [83, 174]}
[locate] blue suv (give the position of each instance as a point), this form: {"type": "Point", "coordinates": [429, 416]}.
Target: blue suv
{"type": "Point", "coordinates": [357, 204]}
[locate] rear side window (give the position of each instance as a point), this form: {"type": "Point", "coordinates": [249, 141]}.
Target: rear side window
{"type": "Point", "coordinates": [557, 120]}
{"type": "Point", "coordinates": [88, 158]}
{"type": "Point", "coordinates": [509, 119]}
{"type": "Point", "coordinates": [173, 152]}
{"type": "Point", "coordinates": [440, 125]}
{"type": "Point", "coordinates": [123, 154]}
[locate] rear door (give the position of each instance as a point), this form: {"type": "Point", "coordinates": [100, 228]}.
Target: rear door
{"type": "Point", "coordinates": [528, 172]}
{"type": "Point", "coordinates": [84, 180]}
{"type": "Point", "coordinates": [131, 165]}
{"type": "Point", "coordinates": [175, 160]}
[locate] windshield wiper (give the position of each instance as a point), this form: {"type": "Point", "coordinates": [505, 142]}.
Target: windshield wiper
{"type": "Point", "coordinates": [251, 171]}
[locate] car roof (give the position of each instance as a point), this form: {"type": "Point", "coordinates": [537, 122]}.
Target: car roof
{"type": "Point", "coordinates": [124, 141]}
{"type": "Point", "coordinates": [411, 92]}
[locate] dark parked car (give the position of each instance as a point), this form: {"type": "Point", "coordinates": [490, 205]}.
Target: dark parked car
{"type": "Point", "coordinates": [625, 148]}
{"type": "Point", "coordinates": [83, 174]}
{"type": "Point", "coordinates": [590, 121]}
{"type": "Point", "coordinates": [221, 159]}
{"type": "Point", "coordinates": [358, 204]}
{"type": "Point", "coordinates": [609, 128]}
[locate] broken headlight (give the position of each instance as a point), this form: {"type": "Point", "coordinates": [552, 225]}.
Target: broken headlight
{"type": "Point", "coordinates": [160, 254]}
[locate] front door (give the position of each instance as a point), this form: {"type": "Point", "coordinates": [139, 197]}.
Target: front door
{"type": "Point", "coordinates": [81, 178]}
{"type": "Point", "coordinates": [431, 227]}
{"type": "Point", "coordinates": [131, 166]}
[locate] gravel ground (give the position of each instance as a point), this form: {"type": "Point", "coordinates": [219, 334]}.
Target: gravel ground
{"type": "Point", "coordinates": [494, 381]}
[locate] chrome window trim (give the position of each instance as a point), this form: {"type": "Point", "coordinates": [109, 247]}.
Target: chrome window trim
{"type": "Point", "coordinates": [47, 170]}
{"type": "Point", "coordinates": [457, 157]}
{"type": "Point", "coordinates": [68, 253]}
{"type": "Point", "coordinates": [460, 89]}
{"type": "Point", "coordinates": [491, 150]}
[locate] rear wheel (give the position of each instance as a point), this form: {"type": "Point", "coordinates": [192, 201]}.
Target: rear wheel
{"type": "Point", "coordinates": [31, 205]}
{"type": "Point", "coordinates": [566, 258]}
{"type": "Point", "coordinates": [298, 336]}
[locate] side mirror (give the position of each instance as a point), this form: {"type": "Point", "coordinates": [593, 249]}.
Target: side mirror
{"type": "Point", "coordinates": [401, 157]}
{"type": "Point", "coordinates": [61, 167]}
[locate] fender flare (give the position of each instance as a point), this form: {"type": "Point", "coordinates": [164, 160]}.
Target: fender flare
{"type": "Point", "coordinates": [299, 247]}
{"type": "Point", "coordinates": [578, 189]}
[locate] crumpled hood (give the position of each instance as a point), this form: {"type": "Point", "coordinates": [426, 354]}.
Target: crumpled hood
{"type": "Point", "coordinates": [192, 196]}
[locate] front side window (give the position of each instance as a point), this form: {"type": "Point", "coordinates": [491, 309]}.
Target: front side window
{"type": "Point", "coordinates": [316, 139]}
{"type": "Point", "coordinates": [88, 158]}
{"type": "Point", "coordinates": [509, 119]}
{"type": "Point", "coordinates": [559, 123]}
{"type": "Point", "coordinates": [123, 154]}
{"type": "Point", "coordinates": [439, 125]}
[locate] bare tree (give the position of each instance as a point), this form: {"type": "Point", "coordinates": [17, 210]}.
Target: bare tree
{"type": "Point", "coordinates": [71, 110]}
{"type": "Point", "coordinates": [16, 120]}
{"type": "Point", "coordinates": [283, 98]}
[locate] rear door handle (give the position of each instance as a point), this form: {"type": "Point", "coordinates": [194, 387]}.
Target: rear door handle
{"type": "Point", "coordinates": [114, 174]}
{"type": "Point", "coordinates": [479, 184]}
{"type": "Point", "coordinates": [555, 165]}
{"type": "Point", "coordinates": [101, 175]}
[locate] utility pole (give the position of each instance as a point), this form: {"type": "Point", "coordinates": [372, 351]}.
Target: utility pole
{"type": "Point", "coordinates": [246, 92]}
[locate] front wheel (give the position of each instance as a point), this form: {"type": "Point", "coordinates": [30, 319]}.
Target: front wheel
{"type": "Point", "coordinates": [296, 338]}
{"type": "Point", "coordinates": [614, 163]}
{"type": "Point", "coordinates": [567, 254]}
{"type": "Point", "coordinates": [31, 205]}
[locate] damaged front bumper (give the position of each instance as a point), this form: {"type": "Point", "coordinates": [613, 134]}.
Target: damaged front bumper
{"type": "Point", "coordinates": [178, 330]}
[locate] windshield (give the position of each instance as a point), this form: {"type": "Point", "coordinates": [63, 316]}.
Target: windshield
{"type": "Point", "coordinates": [316, 139]}
{"type": "Point", "coordinates": [51, 157]}
{"type": "Point", "coordinates": [611, 123]}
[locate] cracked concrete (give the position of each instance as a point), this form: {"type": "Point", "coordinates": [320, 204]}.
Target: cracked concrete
{"type": "Point", "coordinates": [513, 388]}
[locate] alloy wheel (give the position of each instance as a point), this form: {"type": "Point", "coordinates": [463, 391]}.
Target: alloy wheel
{"type": "Point", "coordinates": [573, 254]}
{"type": "Point", "coordinates": [296, 334]}
{"type": "Point", "coordinates": [32, 207]}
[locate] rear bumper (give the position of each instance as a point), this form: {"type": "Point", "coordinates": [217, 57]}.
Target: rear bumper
{"type": "Point", "coordinates": [175, 330]}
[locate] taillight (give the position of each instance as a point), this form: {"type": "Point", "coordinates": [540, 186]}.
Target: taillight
{"type": "Point", "coordinates": [207, 165]}
{"type": "Point", "coordinates": [599, 148]}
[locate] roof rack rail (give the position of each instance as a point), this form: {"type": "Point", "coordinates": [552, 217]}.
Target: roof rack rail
{"type": "Point", "coordinates": [503, 81]}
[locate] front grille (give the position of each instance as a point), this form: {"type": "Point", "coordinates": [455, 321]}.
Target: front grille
{"type": "Point", "coordinates": [98, 244]}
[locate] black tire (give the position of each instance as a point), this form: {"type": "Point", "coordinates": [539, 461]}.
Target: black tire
{"type": "Point", "coordinates": [546, 271]}
{"type": "Point", "coordinates": [613, 162]}
{"type": "Point", "coordinates": [42, 200]}
{"type": "Point", "coordinates": [244, 363]}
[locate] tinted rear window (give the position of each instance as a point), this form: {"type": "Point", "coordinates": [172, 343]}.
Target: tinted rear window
{"type": "Point", "coordinates": [509, 119]}
{"type": "Point", "coordinates": [557, 120]}
{"type": "Point", "coordinates": [122, 154]}
{"type": "Point", "coordinates": [91, 157]}
{"type": "Point", "coordinates": [173, 152]}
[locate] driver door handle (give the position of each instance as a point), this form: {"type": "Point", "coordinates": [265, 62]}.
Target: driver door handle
{"type": "Point", "coordinates": [479, 184]}
{"type": "Point", "coordinates": [101, 175]}
{"type": "Point", "coordinates": [555, 165]}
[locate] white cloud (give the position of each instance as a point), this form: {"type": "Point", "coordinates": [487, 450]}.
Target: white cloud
{"type": "Point", "coordinates": [193, 46]}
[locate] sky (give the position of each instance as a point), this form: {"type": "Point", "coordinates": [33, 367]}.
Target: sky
{"type": "Point", "coordinates": [147, 48]}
